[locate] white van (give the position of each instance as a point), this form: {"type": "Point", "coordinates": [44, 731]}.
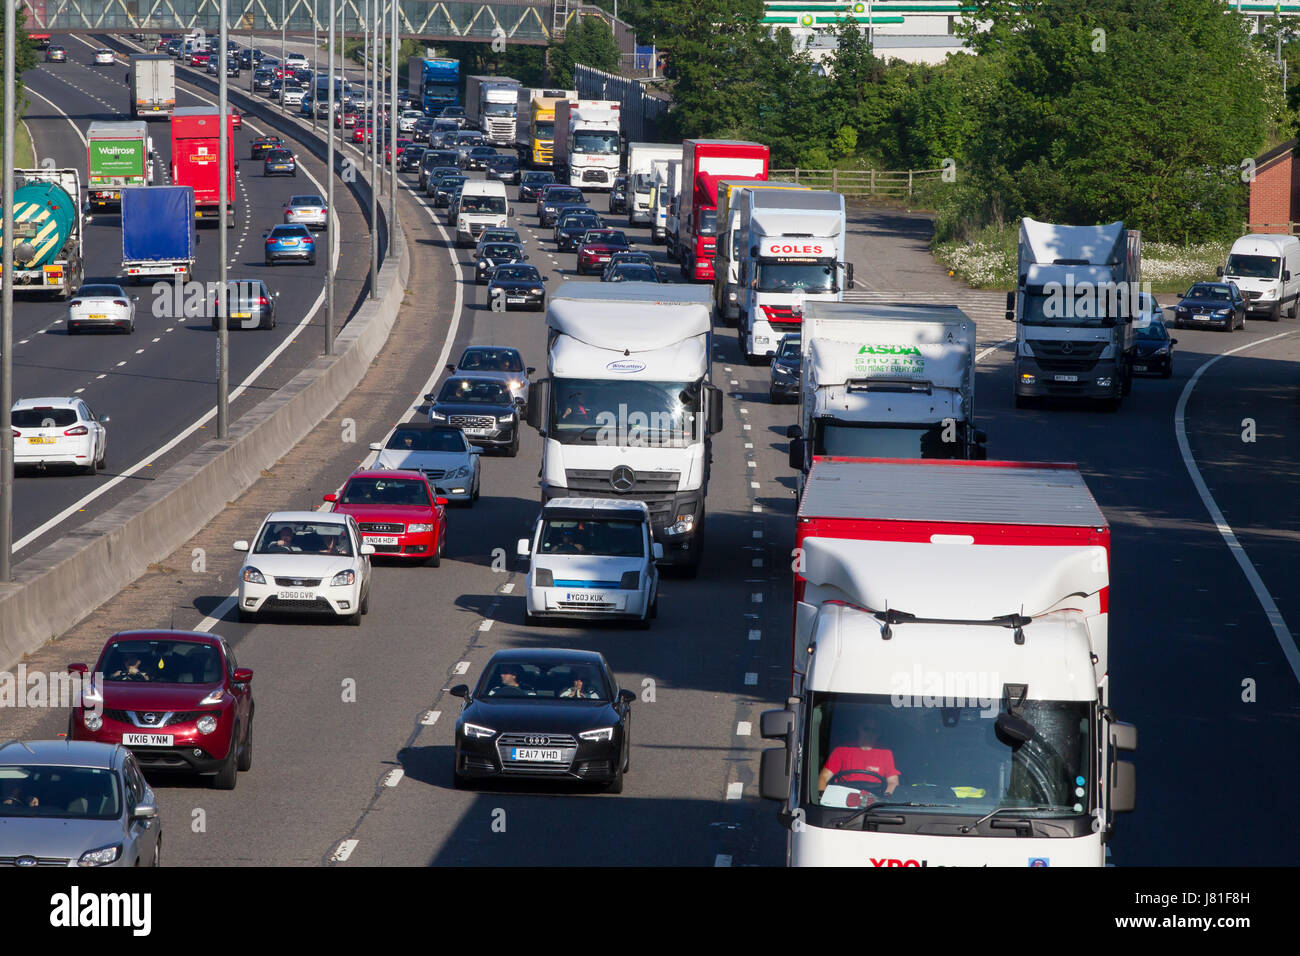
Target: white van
{"type": "Point", "coordinates": [1266, 268]}
{"type": "Point", "coordinates": [483, 205]}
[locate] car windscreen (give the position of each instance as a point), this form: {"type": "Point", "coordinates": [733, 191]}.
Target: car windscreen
{"type": "Point", "coordinates": [304, 537]}
{"type": "Point", "coordinates": [491, 360]}
{"type": "Point", "coordinates": [384, 491]}
{"type": "Point", "coordinates": [608, 537]}
{"type": "Point", "coordinates": [426, 439]}
{"type": "Point", "coordinates": [1212, 293]}
{"type": "Point", "coordinates": [565, 194]}
{"type": "Point", "coordinates": [788, 349]}
{"type": "Point", "coordinates": [609, 239]}
{"type": "Point", "coordinates": [544, 680]}
{"type": "Point", "coordinates": [42, 417]}
{"type": "Point", "coordinates": [505, 162]}
{"type": "Point", "coordinates": [501, 250]}
{"type": "Point", "coordinates": [278, 156]}
{"type": "Point", "coordinates": [1154, 331]}
{"type": "Point", "coordinates": [161, 662]}
{"type": "Point", "coordinates": [634, 272]}
{"type": "Point", "coordinates": [581, 222]}
{"type": "Point", "coordinates": [538, 179]}
{"type": "Point", "coordinates": [474, 392]}
{"type": "Point", "coordinates": [517, 274]}
{"type": "Point", "coordinates": [78, 793]}
{"type": "Point", "coordinates": [306, 201]}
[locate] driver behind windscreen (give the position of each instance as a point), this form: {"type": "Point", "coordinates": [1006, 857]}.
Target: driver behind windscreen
{"type": "Point", "coordinates": [865, 755]}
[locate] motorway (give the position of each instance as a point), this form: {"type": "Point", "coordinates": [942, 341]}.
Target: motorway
{"type": "Point", "coordinates": [158, 385]}
{"type": "Point", "coordinates": [354, 727]}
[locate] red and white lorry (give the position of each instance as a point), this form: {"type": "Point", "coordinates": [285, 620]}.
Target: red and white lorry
{"type": "Point", "coordinates": [706, 162]}
{"type": "Point", "coordinates": [195, 160]}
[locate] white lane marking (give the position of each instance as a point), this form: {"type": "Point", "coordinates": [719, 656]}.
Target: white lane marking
{"type": "Point", "coordinates": [722, 859]}
{"type": "Point", "coordinates": [735, 790]}
{"type": "Point", "coordinates": [430, 717]}
{"type": "Point", "coordinates": [507, 587]}
{"type": "Point", "coordinates": [76, 129]}
{"type": "Point", "coordinates": [993, 348]}
{"type": "Point", "coordinates": [393, 776]}
{"type": "Point", "coordinates": [220, 611]}
{"type": "Point", "coordinates": [461, 667]}
{"type": "Point", "coordinates": [1275, 620]}
{"type": "Point", "coordinates": [753, 484]}
{"type": "Point", "coordinates": [757, 508]}
{"type": "Point", "coordinates": [757, 597]}
{"type": "Point", "coordinates": [751, 679]}
{"type": "Point", "coordinates": [743, 728]}
{"type": "Point", "coordinates": [755, 635]}
{"type": "Point", "coordinates": [756, 563]}
{"type": "Point", "coordinates": [758, 534]}
{"type": "Point", "coordinates": [485, 625]}
{"type": "Point", "coordinates": [344, 851]}
{"type": "Point", "coordinates": [751, 464]}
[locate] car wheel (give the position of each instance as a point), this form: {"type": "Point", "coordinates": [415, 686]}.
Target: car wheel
{"type": "Point", "coordinates": [246, 752]}
{"type": "Point", "coordinates": [157, 853]}
{"type": "Point", "coordinates": [365, 603]}
{"type": "Point", "coordinates": [93, 467]}
{"type": "Point", "coordinates": [1230, 323]}
{"type": "Point", "coordinates": [228, 775]}
{"type": "Point", "coordinates": [71, 725]}
{"type": "Point", "coordinates": [103, 458]}
{"type": "Point", "coordinates": [531, 619]}
{"type": "Point", "coordinates": [457, 781]}
{"type": "Point", "coordinates": [474, 494]}
{"type": "Point", "coordinates": [654, 606]}
{"type": "Point", "coordinates": [311, 261]}
{"type": "Point", "coordinates": [615, 785]}
{"type": "Point", "coordinates": [270, 261]}
{"type": "Point", "coordinates": [1168, 370]}
{"type": "Point", "coordinates": [1273, 316]}
{"type": "Point", "coordinates": [72, 329]}
{"type": "Point", "coordinates": [245, 617]}
{"type": "Point", "coordinates": [353, 620]}
{"type": "Point", "coordinates": [435, 561]}
{"type": "Point", "coordinates": [513, 450]}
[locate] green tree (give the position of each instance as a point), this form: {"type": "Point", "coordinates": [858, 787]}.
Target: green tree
{"type": "Point", "coordinates": [588, 41]}
{"type": "Point", "coordinates": [24, 53]}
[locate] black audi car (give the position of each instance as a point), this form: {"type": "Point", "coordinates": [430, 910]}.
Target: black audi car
{"type": "Point", "coordinates": [1154, 351]}
{"type": "Point", "coordinates": [552, 197]}
{"type": "Point", "coordinates": [544, 713]}
{"type": "Point", "coordinates": [503, 168]}
{"type": "Point", "coordinates": [263, 145]}
{"type": "Point", "coordinates": [482, 408]}
{"type": "Point", "coordinates": [443, 188]}
{"type": "Point", "coordinates": [1212, 303]}
{"type": "Point", "coordinates": [618, 195]}
{"type": "Point", "coordinates": [495, 254]}
{"type": "Point", "coordinates": [784, 386]}
{"type": "Point", "coordinates": [408, 161]}
{"type": "Point", "coordinates": [517, 286]}
{"type": "Point", "coordinates": [570, 229]}
{"type": "Point", "coordinates": [435, 158]}
{"type": "Point", "coordinates": [531, 182]}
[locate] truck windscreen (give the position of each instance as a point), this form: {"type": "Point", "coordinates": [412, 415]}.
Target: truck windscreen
{"type": "Point", "coordinates": [595, 142]}
{"type": "Point", "coordinates": [942, 746]}
{"type": "Point", "coordinates": [624, 413]}
{"type": "Point", "coordinates": [544, 130]}
{"type": "Point", "coordinates": [775, 276]}
{"type": "Point", "coordinates": [708, 222]}
{"type": "Point", "coordinates": [440, 91]}
{"type": "Point", "coordinates": [499, 109]}
{"type": "Point", "coordinates": [884, 441]}
{"type": "Point", "coordinates": [1052, 305]}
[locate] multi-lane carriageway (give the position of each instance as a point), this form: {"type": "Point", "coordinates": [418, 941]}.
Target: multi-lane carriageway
{"type": "Point", "coordinates": [354, 727]}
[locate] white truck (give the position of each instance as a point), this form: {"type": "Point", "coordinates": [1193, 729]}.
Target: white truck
{"type": "Point", "coordinates": [483, 205]}
{"type": "Point", "coordinates": [733, 229]}
{"type": "Point", "coordinates": [792, 248]}
{"type": "Point", "coordinates": [885, 381]}
{"type": "Point", "coordinates": [490, 104]}
{"type": "Point", "coordinates": [627, 409]}
{"type": "Point", "coordinates": [586, 152]}
{"type": "Point", "coordinates": [949, 697]}
{"type": "Point", "coordinates": [666, 175]}
{"type": "Point", "coordinates": [152, 80]}
{"type": "Point", "coordinates": [642, 158]}
{"type": "Point", "coordinates": [1075, 300]}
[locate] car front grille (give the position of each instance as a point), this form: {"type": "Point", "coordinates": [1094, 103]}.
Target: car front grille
{"type": "Point", "coordinates": [298, 582]}
{"type": "Point", "coordinates": [434, 474]}
{"type": "Point", "coordinates": [380, 527]}
{"type": "Point", "coordinates": [40, 861]}
{"type": "Point", "coordinates": [586, 605]}
{"type": "Point", "coordinates": [280, 604]}
{"type": "Point", "coordinates": [472, 421]}
{"type": "Point", "coordinates": [567, 745]}
{"type": "Point", "coordinates": [595, 176]}
{"type": "Point", "coordinates": [1067, 356]}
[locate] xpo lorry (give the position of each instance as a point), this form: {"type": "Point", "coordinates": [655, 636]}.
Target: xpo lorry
{"type": "Point", "coordinates": [627, 409]}
{"type": "Point", "coordinates": [587, 143]}
{"type": "Point", "coordinates": [490, 104]}
{"type": "Point", "coordinates": [117, 155]}
{"type": "Point", "coordinates": [885, 381]}
{"type": "Point", "coordinates": [195, 159]}
{"type": "Point", "coordinates": [535, 125]}
{"type": "Point", "coordinates": [704, 163]}
{"type": "Point", "coordinates": [153, 85]}
{"type": "Point", "coordinates": [641, 161]}
{"type": "Point", "coordinates": [731, 249]}
{"type": "Point", "coordinates": [1074, 304]}
{"type": "Point", "coordinates": [950, 695]}
{"type": "Point", "coordinates": [158, 237]}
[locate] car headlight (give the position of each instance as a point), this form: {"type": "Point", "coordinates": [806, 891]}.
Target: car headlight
{"type": "Point", "coordinates": [1163, 350]}
{"type": "Point", "coordinates": [1220, 313]}
{"type": "Point", "coordinates": [684, 524]}
{"type": "Point", "coordinates": [506, 419]}
{"type": "Point", "coordinates": [461, 472]}
{"type": "Point", "coordinates": [780, 371]}
{"type": "Point", "coordinates": [604, 733]}
{"type": "Point", "coordinates": [93, 719]}
{"type": "Point", "coordinates": [102, 856]}
{"type": "Point", "coordinates": [482, 264]}
{"type": "Point", "coordinates": [1181, 310]}
{"type": "Point", "coordinates": [216, 697]}
{"type": "Point", "coordinates": [253, 576]}
{"type": "Point", "coordinates": [536, 291]}
{"type": "Point", "coordinates": [476, 731]}
{"type": "Point", "coordinates": [206, 724]}
{"type": "Point", "coordinates": [419, 528]}
{"type": "Point", "coordinates": [343, 578]}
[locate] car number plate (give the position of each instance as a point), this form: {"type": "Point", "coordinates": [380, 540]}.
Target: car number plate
{"type": "Point", "coordinates": [40, 441]}
{"type": "Point", "coordinates": [242, 315]}
{"type": "Point", "coordinates": [1139, 368]}
{"type": "Point", "coordinates": [147, 740]}
{"type": "Point", "coordinates": [1066, 378]}
{"type": "Point", "coordinates": [297, 595]}
{"type": "Point", "coordinates": [516, 299]}
{"type": "Point", "coordinates": [478, 431]}
{"type": "Point", "coordinates": [379, 539]}
{"type": "Point", "coordinates": [97, 315]}
{"type": "Point", "coordinates": [536, 755]}
{"type": "Point", "coordinates": [585, 597]}
{"type": "Point", "coordinates": [291, 242]}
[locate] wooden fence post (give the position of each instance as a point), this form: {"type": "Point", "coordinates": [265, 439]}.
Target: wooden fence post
{"type": "Point", "coordinates": [796, 174]}
{"type": "Point", "coordinates": [835, 180]}
{"type": "Point", "coordinates": [871, 188]}
{"type": "Point", "coordinates": [909, 182]}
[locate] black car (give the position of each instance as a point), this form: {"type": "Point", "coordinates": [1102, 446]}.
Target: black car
{"type": "Point", "coordinates": [246, 59]}
{"type": "Point", "coordinates": [482, 408]}
{"type": "Point", "coordinates": [544, 713]}
{"type": "Point", "coordinates": [437, 157]}
{"type": "Point", "coordinates": [517, 286]}
{"type": "Point", "coordinates": [627, 255]}
{"type": "Point", "coordinates": [263, 145]}
{"type": "Point", "coordinates": [409, 160]}
{"type": "Point", "coordinates": [784, 386]}
{"type": "Point", "coordinates": [631, 272]}
{"type": "Point", "coordinates": [263, 80]}
{"type": "Point", "coordinates": [1212, 303]}
{"type": "Point", "coordinates": [570, 230]}
{"type": "Point", "coordinates": [551, 198]}
{"type": "Point", "coordinates": [1155, 349]}
{"type": "Point", "coordinates": [503, 168]}
{"type": "Point", "coordinates": [232, 67]}
{"type": "Point", "coordinates": [531, 182]}
{"type": "Point", "coordinates": [421, 130]}
{"type": "Point", "coordinates": [437, 175]}
{"type": "Point", "coordinates": [444, 188]}
{"type": "Point", "coordinates": [618, 195]}
{"type": "Point", "coordinates": [478, 157]}
{"type": "Point", "coordinates": [249, 305]}
{"type": "Point", "coordinates": [495, 254]}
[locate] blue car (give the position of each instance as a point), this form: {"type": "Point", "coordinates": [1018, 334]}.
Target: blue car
{"type": "Point", "coordinates": [279, 162]}
{"type": "Point", "coordinates": [290, 242]}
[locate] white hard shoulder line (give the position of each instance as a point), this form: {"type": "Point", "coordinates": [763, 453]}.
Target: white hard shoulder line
{"type": "Point", "coordinates": [1280, 629]}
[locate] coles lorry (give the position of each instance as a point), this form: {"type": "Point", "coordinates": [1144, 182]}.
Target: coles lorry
{"type": "Point", "coordinates": [195, 160]}
{"type": "Point", "coordinates": [535, 125]}
{"type": "Point", "coordinates": [117, 154]}
{"type": "Point", "coordinates": [627, 409]}
{"type": "Point", "coordinates": [792, 253]}
{"type": "Point", "coordinates": [490, 104]}
{"type": "Point", "coordinates": [586, 151]}
{"type": "Point", "coordinates": [158, 237]}
{"type": "Point", "coordinates": [949, 699]}
{"type": "Point", "coordinates": [704, 163]}
{"type": "Point", "coordinates": [731, 250]}
{"type": "Point", "coordinates": [641, 161]}
{"type": "Point", "coordinates": [885, 381]}
{"type": "Point", "coordinates": [153, 85]}
{"type": "Point", "coordinates": [48, 228]}
{"type": "Point", "coordinates": [433, 82]}
{"type": "Point", "coordinates": [1074, 304]}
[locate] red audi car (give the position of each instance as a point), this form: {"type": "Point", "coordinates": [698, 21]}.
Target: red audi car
{"type": "Point", "coordinates": [176, 699]}
{"type": "Point", "coordinates": [596, 248]}
{"type": "Point", "coordinates": [398, 512]}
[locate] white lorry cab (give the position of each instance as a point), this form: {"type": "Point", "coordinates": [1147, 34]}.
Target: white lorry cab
{"type": "Point", "coordinates": [592, 558]}
{"type": "Point", "coordinates": [483, 205]}
{"type": "Point", "coordinates": [1266, 269]}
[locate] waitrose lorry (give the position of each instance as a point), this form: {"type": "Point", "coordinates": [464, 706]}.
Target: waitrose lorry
{"type": "Point", "coordinates": [118, 154]}
{"type": "Point", "coordinates": [627, 409]}
{"type": "Point", "coordinates": [152, 80]}
{"type": "Point", "coordinates": [885, 381]}
{"type": "Point", "coordinates": [949, 698]}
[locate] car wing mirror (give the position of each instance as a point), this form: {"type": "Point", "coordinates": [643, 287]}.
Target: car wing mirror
{"type": "Point", "coordinates": [242, 675]}
{"type": "Point", "coordinates": [367, 550]}
{"type": "Point", "coordinates": [626, 696]}
{"type": "Point", "coordinates": [240, 545]}
{"type": "Point", "coordinates": [522, 549]}
{"type": "Point", "coordinates": [657, 551]}
{"type": "Point", "coordinates": [460, 690]}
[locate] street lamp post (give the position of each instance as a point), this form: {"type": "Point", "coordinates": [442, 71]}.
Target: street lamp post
{"type": "Point", "coordinates": [375, 136]}
{"type": "Point", "coordinates": [329, 196]}
{"type": "Point", "coordinates": [315, 67]}
{"type": "Point", "coordinates": [223, 199]}
{"type": "Point", "coordinates": [7, 310]}
{"type": "Point", "coordinates": [395, 49]}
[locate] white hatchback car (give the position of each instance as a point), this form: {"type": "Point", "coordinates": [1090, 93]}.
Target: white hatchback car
{"type": "Point", "coordinates": [58, 431]}
{"type": "Point", "coordinates": [406, 122]}
{"type": "Point", "coordinates": [101, 306]}
{"type": "Point", "coordinates": [104, 56]}
{"type": "Point", "coordinates": [297, 61]}
{"type": "Point", "coordinates": [441, 452]}
{"type": "Point", "coordinates": [592, 558]}
{"type": "Point", "coordinates": [306, 562]}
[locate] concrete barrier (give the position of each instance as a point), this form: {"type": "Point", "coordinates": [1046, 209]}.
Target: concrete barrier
{"type": "Point", "coordinates": [66, 581]}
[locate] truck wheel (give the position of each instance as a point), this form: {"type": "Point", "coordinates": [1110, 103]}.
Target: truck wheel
{"type": "Point", "coordinates": [1273, 316]}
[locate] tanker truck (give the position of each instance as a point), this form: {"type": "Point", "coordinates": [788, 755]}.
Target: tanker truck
{"type": "Point", "coordinates": [47, 230]}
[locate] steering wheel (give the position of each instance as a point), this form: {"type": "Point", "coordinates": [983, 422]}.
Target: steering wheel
{"type": "Point", "coordinates": [875, 789]}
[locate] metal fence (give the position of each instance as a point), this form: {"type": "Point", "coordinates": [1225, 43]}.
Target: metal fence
{"type": "Point", "coordinates": [643, 114]}
{"type": "Point", "coordinates": [861, 182]}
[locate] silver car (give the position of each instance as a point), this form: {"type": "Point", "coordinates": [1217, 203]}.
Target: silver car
{"type": "Point", "coordinates": [498, 362]}
{"type": "Point", "coordinates": [75, 803]}
{"type": "Point", "coordinates": [309, 211]}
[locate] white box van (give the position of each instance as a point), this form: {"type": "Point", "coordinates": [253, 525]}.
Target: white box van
{"type": "Point", "coordinates": [1266, 268]}
{"type": "Point", "coordinates": [483, 205]}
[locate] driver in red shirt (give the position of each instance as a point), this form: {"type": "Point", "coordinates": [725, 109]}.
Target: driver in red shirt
{"type": "Point", "coordinates": [864, 756]}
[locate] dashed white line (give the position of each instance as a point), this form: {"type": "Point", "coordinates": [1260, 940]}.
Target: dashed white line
{"type": "Point", "coordinates": [461, 667]}
{"type": "Point", "coordinates": [743, 728]}
{"type": "Point", "coordinates": [755, 634]}
{"type": "Point", "coordinates": [485, 625]}
{"type": "Point", "coordinates": [722, 859]}
{"type": "Point", "coordinates": [751, 679]}
{"type": "Point", "coordinates": [344, 851]}
{"type": "Point", "coordinates": [735, 790]}
{"type": "Point", "coordinates": [393, 776]}
{"type": "Point", "coordinates": [430, 717]}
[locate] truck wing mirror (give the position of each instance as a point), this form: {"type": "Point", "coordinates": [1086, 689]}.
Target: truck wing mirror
{"type": "Point", "coordinates": [538, 399]}
{"type": "Point", "coordinates": [848, 275]}
{"type": "Point", "coordinates": [1014, 729]}
{"type": "Point", "coordinates": [793, 431]}
{"type": "Point", "coordinates": [797, 452]}
{"type": "Point", "coordinates": [774, 774]}
{"type": "Point", "coordinates": [1123, 736]}
{"type": "Point", "coordinates": [981, 436]}
{"type": "Point", "coordinates": [1123, 787]}
{"type": "Point", "coordinates": [1011, 307]}
{"type": "Point", "coordinates": [1219, 271]}
{"type": "Point", "coordinates": [715, 409]}
{"type": "Point", "coordinates": [775, 724]}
